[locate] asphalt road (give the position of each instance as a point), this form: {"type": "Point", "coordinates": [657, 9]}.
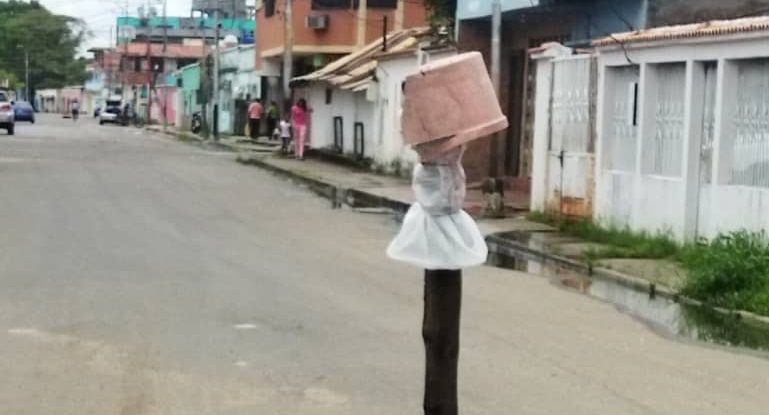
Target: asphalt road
{"type": "Point", "coordinates": [143, 276]}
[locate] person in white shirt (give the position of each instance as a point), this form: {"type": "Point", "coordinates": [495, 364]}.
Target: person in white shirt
{"type": "Point", "coordinates": [285, 134]}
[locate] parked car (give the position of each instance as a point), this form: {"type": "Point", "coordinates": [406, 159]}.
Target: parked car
{"type": "Point", "coordinates": [112, 115]}
{"type": "Point", "coordinates": [7, 118]}
{"type": "Point", "coordinates": [23, 111]}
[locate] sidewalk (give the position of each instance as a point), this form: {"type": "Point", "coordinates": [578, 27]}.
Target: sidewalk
{"type": "Point", "coordinates": [394, 191]}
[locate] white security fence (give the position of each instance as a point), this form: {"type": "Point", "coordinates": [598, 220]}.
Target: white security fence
{"type": "Point", "coordinates": [680, 136]}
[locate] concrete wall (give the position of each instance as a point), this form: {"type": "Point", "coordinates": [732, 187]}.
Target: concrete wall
{"type": "Point", "coordinates": [668, 12]}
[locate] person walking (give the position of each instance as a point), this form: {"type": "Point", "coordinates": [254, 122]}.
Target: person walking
{"type": "Point", "coordinates": [75, 110]}
{"type": "Point", "coordinates": [299, 119]}
{"type": "Point", "coordinates": [272, 117]}
{"type": "Point", "coordinates": [255, 113]}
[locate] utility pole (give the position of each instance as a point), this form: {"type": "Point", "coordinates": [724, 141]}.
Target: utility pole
{"type": "Point", "coordinates": [150, 68]}
{"type": "Point", "coordinates": [496, 29]}
{"type": "Point", "coordinates": [164, 104]}
{"type": "Point", "coordinates": [400, 10]}
{"type": "Point", "coordinates": [216, 73]}
{"type": "Point", "coordinates": [26, 75]}
{"type": "Point", "coordinates": [362, 16]}
{"type": "Point", "coordinates": [123, 58]}
{"type": "Point", "coordinates": [384, 34]}
{"type": "Point", "coordinates": [288, 51]}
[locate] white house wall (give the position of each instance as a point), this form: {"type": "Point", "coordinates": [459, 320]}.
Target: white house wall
{"type": "Point", "coordinates": [351, 106]}
{"type": "Point", "coordinates": [240, 80]}
{"type": "Point", "coordinates": [226, 106]}
{"type": "Point", "coordinates": [321, 133]}
{"type": "Point", "coordinates": [345, 104]}
{"type": "Point", "coordinates": [389, 144]}
{"type": "Point", "coordinates": [702, 140]}
{"type": "Point", "coordinates": [617, 145]}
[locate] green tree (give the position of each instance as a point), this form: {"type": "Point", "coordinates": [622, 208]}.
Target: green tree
{"type": "Point", "coordinates": [50, 41]}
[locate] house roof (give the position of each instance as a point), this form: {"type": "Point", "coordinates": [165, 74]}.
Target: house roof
{"type": "Point", "coordinates": [173, 50]}
{"type": "Point", "coordinates": [689, 31]}
{"type": "Point", "coordinates": [354, 71]}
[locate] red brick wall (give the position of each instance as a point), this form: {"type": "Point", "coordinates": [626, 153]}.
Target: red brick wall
{"type": "Point", "coordinates": [342, 29]}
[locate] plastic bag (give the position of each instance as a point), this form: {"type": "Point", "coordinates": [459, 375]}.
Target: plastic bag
{"type": "Point", "coordinates": [436, 232]}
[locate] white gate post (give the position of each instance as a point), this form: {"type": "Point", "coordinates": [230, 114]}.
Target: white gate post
{"type": "Point", "coordinates": [694, 105]}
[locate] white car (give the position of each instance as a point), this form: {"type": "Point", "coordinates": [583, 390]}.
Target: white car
{"type": "Point", "coordinates": [111, 115]}
{"type": "Point", "coordinates": [7, 117]}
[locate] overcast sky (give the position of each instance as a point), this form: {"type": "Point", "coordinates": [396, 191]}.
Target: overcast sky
{"type": "Point", "coordinates": [101, 15]}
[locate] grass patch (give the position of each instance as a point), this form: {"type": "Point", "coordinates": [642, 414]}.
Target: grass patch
{"type": "Point", "coordinates": [186, 136]}
{"type": "Point", "coordinates": [731, 271]}
{"type": "Point", "coordinates": [621, 242]}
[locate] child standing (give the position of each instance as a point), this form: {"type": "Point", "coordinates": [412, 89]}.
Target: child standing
{"type": "Point", "coordinates": [285, 134]}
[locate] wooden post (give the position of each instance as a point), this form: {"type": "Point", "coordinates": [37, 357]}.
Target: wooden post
{"type": "Point", "coordinates": [440, 331]}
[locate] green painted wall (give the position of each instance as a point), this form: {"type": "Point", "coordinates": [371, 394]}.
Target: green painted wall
{"type": "Point", "coordinates": [190, 87]}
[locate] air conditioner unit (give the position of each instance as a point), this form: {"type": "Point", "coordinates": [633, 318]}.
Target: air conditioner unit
{"type": "Point", "coordinates": [318, 22]}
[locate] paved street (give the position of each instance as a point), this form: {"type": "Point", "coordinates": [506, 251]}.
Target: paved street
{"type": "Point", "coordinates": [143, 276]}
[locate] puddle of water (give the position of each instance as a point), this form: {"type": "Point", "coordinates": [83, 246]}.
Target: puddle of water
{"type": "Point", "coordinates": [662, 314]}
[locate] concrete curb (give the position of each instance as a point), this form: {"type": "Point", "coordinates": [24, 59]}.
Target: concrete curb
{"type": "Point", "coordinates": [190, 138]}
{"type": "Point", "coordinates": [339, 195]}
{"type": "Point", "coordinates": [513, 248]}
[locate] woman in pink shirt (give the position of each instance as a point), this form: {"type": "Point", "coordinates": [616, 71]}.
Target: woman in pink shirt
{"type": "Point", "coordinates": [299, 117]}
{"type": "Point", "coordinates": [255, 112]}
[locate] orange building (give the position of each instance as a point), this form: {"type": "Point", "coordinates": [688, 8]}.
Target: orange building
{"type": "Point", "coordinates": [324, 30]}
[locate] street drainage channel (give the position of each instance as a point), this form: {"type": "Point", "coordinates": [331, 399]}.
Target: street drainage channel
{"type": "Point", "coordinates": [664, 315]}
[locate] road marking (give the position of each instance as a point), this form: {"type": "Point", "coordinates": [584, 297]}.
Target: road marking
{"type": "Point", "coordinates": [245, 326]}
{"type": "Point", "coordinates": [241, 363]}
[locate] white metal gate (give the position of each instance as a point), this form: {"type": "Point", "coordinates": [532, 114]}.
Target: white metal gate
{"type": "Point", "coordinates": [570, 181]}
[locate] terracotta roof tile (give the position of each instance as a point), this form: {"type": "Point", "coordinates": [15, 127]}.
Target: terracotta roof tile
{"type": "Point", "coordinates": [688, 31]}
{"type": "Point", "coordinates": [354, 70]}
